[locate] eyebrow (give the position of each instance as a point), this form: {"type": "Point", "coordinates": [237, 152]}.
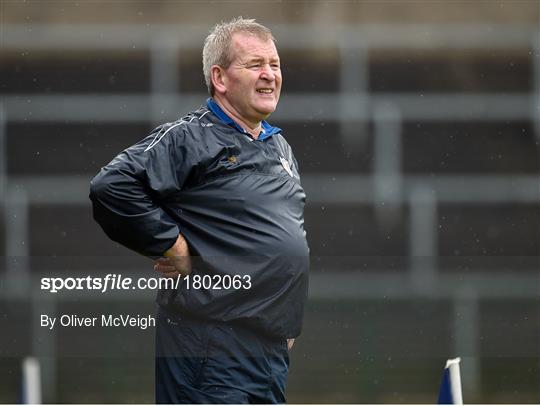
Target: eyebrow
{"type": "Point", "coordinates": [260, 58]}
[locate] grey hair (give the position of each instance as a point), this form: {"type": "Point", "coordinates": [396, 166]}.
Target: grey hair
{"type": "Point", "coordinates": [217, 44]}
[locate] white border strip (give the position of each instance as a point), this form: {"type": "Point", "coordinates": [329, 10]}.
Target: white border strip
{"type": "Point", "coordinates": [31, 381]}
{"type": "Point", "coordinates": [455, 380]}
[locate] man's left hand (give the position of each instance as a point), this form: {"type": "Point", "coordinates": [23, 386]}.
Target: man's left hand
{"type": "Point", "coordinates": [166, 268]}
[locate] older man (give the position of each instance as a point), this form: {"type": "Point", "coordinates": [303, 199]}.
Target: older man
{"type": "Point", "coordinates": [217, 195]}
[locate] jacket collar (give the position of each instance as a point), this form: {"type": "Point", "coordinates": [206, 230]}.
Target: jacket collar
{"type": "Point", "coordinates": [266, 129]}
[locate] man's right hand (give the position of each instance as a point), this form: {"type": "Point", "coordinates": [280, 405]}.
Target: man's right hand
{"type": "Point", "coordinates": [177, 261]}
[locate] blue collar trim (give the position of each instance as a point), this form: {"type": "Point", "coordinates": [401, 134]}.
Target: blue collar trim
{"type": "Point", "coordinates": [267, 129]}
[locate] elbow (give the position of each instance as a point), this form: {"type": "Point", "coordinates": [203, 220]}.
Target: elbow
{"type": "Point", "coordinates": [98, 187]}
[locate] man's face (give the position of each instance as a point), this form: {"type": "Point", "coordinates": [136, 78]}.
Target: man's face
{"type": "Point", "coordinates": [253, 80]}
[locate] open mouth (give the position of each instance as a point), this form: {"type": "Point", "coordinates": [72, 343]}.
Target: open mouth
{"type": "Point", "coordinates": [265, 91]}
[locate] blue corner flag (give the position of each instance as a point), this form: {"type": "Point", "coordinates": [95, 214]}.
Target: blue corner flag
{"type": "Point", "coordinates": [450, 391]}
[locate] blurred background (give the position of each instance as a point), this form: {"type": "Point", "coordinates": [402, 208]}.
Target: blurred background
{"type": "Point", "coordinates": [416, 125]}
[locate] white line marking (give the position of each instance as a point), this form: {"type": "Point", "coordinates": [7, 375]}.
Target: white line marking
{"type": "Point", "coordinates": [157, 140]}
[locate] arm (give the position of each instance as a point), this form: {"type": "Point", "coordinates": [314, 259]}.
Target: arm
{"type": "Point", "coordinates": [127, 193]}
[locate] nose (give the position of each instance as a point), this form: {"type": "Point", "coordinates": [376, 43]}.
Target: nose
{"type": "Point", "coordinates": [267, 73]}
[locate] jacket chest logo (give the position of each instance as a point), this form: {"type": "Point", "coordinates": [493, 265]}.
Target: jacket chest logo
{"type": "Point", "coordinates": [286, 166]}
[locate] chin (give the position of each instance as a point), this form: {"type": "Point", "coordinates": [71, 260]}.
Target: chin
{"type": "Point", "coordinates": [267, 109]}
{"type": "Point", "coordinates": [264, 114]}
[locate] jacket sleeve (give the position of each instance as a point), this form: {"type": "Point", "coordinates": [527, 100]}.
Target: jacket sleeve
{"type": "Point", "coordinates": [127, 194]}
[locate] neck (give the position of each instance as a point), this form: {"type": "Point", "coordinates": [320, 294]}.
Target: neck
{"type": "Point", "coordinates": [252, 128]}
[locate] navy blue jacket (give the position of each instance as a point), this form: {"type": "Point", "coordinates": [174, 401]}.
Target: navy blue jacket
{"type": "Point", "coordinates": [239, 204]}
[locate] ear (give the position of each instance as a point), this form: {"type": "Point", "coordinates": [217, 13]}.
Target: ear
{"type": "Point", "coordinates": [219, 81]}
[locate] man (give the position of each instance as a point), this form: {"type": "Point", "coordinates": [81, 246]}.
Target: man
{"type": "Point", "coordinates": [217, 194]}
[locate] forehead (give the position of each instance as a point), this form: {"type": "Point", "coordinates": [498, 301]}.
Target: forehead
{"type": "Point", "coordinates": [245, 45]}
